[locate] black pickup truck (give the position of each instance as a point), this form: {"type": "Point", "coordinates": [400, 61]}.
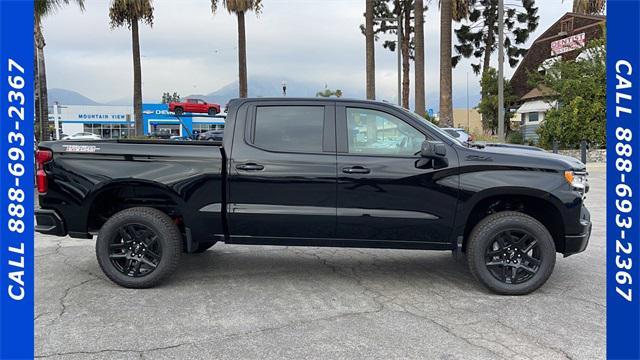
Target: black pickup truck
{"type": "Point", "coordinates": [311, 172]}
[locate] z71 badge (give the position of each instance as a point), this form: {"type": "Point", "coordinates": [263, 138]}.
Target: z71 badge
{"type": "Point", "coordinates": [81, 148]}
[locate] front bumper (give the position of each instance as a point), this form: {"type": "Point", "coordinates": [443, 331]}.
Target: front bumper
{"type": "Point", "coordinates": [49, 222]}
{"type": "Point", "coordinates": [574, 244]}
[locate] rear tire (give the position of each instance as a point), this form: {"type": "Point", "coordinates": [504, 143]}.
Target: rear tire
{"type": "Point", "coordinates": [179, 111]}
{"type": "Point", "coordinates": [139, 247]}
{"type": "Point", "coordinates": [511, 253]}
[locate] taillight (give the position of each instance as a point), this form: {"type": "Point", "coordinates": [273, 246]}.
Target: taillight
{"type": "Point", "coordinates": [42, 157]}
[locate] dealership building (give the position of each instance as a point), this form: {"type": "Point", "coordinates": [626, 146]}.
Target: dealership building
{"type": "Point", "coordinates": [114, 122]}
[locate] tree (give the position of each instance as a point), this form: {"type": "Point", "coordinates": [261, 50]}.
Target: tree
{"type": "Point", "coordinates": [446, 87]}
{"type": "Point", "coordinates": [370, 50]}
{"type": "Point", "coordinates": [580, 92]}
{"type": "Point", "coordinates": [478, 37]}
{"type": "Point", "coordinates": [405, 8]}
{"type": "Point", "coordinates": [329, 93]}
{"type": "Point", "coordinates": [419, 58]}
{"type": "Point", "coordinates": [590, 7]}
{"type": "Point", "coordinates": [129, 13]}
{"type": "Point", "coordinates": [41, 9]}
{"type": "Point", "coordinates": [488, 106]}
{"type": "Point", "coordinates": [239, 7]}
{"type": "Point", "coordinates": [450, 10]}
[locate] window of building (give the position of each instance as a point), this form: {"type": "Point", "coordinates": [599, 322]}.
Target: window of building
{"type": "Point", "coordinates": [566, 26]}
{"type": "Point", "coordinates": [207, 127]}
{"type": "Point", "coordinates": [109, 131]}
{"type": "Point", "coordinates": [377, 133]}
{"type": "Point", "coordinates": [534, 117]}
{"type": "Point", "coordinates": [289, 128]}
{"type": "Point", "coordinates": [200, 128]}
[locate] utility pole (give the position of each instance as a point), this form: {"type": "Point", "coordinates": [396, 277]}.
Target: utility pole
{"type": "Point", "coordinates": [501, 70]}
{"type": "Point", "coordinates": [468, 110]}
{"type": "Point", "coordinates": [399, 43]}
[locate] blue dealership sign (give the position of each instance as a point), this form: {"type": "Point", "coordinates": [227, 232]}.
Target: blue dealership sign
{"type": "Point", "coordinates": [16, 179]}
{"type": "Point", "coordinates": [623, 181]}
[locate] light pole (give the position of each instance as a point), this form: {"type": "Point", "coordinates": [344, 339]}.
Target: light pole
{"type": "Point", "coordinates": [57, 116]}
{"type": "Point", "coordinates": [398, 20]}
{"type": "Point", "coordinates": [501, 70]}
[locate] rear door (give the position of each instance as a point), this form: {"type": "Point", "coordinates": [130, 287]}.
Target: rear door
{"type": "Point", "coordinates": [386, 190]}
{"type": "Point", "coordinates": [282, 172]}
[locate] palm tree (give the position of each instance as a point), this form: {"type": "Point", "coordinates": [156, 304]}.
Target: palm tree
{"type": "Point", "coordinates": [130, 13]}
{"type": "Point", "coordinates": [370, 50]}
{"type": "Point", "coordinates": [450, 10]}
{"type": "Point", "coordinates": [591, 7]}
{"type": "Point", "coordinates": [419, 58]}
{"type": "Point", "coordinates": [41, 9]}
{"type": "Point", "coordinates": [446, 105]}
{"type": "Point", "coordinates": [239, 7]}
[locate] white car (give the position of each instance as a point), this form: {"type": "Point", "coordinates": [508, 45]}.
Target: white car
{"type": "Point", "coordinates": [83, 136]}
{"type": "Point", "coordinates": [459, 134]}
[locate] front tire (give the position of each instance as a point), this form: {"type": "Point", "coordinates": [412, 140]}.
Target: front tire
{"type": "Point", "coordinates": [511, 253]}
{"type": "Point", "coordinates": [179, 111]}
{"type": "Point", "coordinates": [139, 247]}
{"type": "Point", "coordinates": [212, 111]}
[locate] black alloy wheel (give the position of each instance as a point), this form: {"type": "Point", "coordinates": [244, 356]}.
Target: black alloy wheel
{"type": "Point", "coordinates": [135, 251]}
{"type": "Point", "coordinates": [511, 253]}
{"type": "Point", "coordinates": [513, 256]}
{"type": "Point", "coordinates": [139, 247]}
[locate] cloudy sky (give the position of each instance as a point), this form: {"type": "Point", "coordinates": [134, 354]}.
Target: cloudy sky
{"type": "Point", "coordinates": [192, 51]}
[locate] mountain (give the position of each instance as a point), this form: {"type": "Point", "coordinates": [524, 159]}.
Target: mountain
{"type": "Point", "coordinates": [127, 100]}
{"type": "Point", "coordinates": [260, 86]}
{"type": "Point", "coordinates": [63, 96]}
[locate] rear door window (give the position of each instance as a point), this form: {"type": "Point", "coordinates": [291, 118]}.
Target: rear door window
{"type": "Point", "coordinates": [289, 128]}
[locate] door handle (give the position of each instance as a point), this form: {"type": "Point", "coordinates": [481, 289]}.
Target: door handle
{"type": "Point", "coordinates": [250, 167]}
{"type": "Point", "coordinates": [356, 170]}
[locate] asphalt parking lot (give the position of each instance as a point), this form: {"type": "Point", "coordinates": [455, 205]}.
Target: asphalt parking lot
{"type": "Point", "coordinates": [246, 302]}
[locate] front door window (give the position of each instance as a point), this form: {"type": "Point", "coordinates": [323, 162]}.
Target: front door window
{"type": "Point", "coordinates": [372, 132]}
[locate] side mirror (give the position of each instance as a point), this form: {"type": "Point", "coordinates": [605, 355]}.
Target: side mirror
{"type": "Point", "coordinates": [433, 149]}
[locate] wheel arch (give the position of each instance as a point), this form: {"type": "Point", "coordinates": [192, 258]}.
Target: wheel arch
{"type": "Point", "coordinates": [541, 205]}
{"type": "Point", "coordinates": [109, 198]}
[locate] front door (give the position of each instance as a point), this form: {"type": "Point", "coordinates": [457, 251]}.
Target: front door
{"type": "Point", "coordinates": [386, 191]}
{"type": "Point", "coordinates": [282, 176]}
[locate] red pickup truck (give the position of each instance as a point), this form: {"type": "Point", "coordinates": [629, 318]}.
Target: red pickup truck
{"type": "Point", "coordinates": [194, 106]}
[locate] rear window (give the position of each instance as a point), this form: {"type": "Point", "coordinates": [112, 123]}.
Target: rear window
{"type": "Point", "coordinates": [289, 128]}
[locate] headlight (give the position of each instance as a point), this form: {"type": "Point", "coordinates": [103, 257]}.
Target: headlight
{"type": "Point", "coordinates": [578, 180]}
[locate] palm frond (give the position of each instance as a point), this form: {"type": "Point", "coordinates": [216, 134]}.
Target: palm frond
{"type": "Point", "coordinates": [125, 12]}
{"type": "Point", "coordinates": [42, 8]}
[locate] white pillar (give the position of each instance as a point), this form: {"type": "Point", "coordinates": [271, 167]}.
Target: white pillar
{"type": "Point", "coordinates": [56, 120]}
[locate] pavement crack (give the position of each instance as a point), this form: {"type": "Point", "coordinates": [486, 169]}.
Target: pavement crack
{"type": "Point", "coordinates": [102, 351]}
{"type": "Point", "coordinates": [63, 306]}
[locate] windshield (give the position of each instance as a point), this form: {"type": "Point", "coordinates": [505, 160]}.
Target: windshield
{"type": "Point", "coordinates": [429, 124]}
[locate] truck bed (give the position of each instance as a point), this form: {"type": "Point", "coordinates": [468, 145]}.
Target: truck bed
{"type": "Point", "coordinates": [85, 177]}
